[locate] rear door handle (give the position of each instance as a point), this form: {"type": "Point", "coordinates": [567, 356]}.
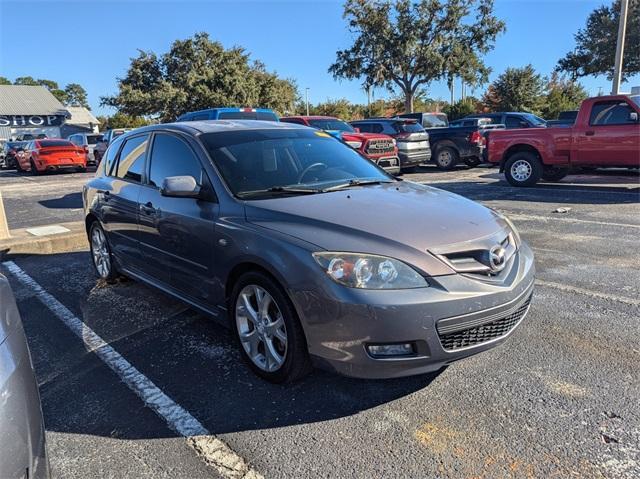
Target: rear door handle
{"type": "Point", "coordinates": [589, 133]}
{"type": "Point", "coordinates": [148, 208]}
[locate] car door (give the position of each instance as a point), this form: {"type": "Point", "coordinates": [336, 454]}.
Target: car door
{"type": "Point", "coordinates": [119, 199]}
{"type": "Point", "coordinates": [177, 234]}
{"type": "Point", "coordinates": [610, 138]}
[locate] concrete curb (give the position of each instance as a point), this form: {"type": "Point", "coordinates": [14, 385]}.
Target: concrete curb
{"type": "Point", "coordinates": [22, 242]}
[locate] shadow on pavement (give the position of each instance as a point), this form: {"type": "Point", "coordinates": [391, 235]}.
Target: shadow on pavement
{"type": "Point", "coordinates": [71, 200]}
{"type": "Point", "coordinates": [193, 359]}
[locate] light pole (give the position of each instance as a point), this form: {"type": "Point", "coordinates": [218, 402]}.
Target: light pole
{"type": "Point", "coordinates": [622, 27]}
{"type": "Point", "coordinates": [306, 95]}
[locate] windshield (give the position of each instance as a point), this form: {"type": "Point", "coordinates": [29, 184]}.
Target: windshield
{"type": "Point", "coordinates": [635, 99]}
{"type": "Point", "coordinates": [434, 121]}
{"type": "Point", "coordinates": [535, 120]}
{"type": "Point", "coordinates": [247, 115]}
{"type": "Point", "coordinates": [252, 162]}
{"type": "Point", "coordinates": [331, 124]}
{"type": "Point", "coordinates": [408, 127]}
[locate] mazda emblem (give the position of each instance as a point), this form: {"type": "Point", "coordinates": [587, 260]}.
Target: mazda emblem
{"type": "Point", "coordinates": [497, 258]}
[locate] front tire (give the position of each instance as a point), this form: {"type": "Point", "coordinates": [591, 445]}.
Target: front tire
{"type": "Point", "coordinates": [268, 330]}
{"type": "Point", "coordinates": [446, 158]}
{"type": "Point", "coordinates": [523, 169]}
{"type": "Point", "coordinates": [34, 170]}
{"type": "Point", "coordinates": [101, 253]}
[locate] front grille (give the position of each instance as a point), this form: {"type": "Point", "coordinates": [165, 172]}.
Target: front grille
{"type": "Point", "coordinates": [378, 147]}
{"type": "Point", "coordinates": [485, 332]}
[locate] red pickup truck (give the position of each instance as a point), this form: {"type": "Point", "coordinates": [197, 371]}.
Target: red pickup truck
{"type": "Point", "coordinates": [606, 133]}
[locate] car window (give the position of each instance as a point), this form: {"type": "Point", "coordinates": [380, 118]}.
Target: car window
{"type": "Point", "coordinates": [610, 113]}
{"type": "Point", "coordinates": [330, 124]}
{"type": "Point", "coordinates": [170, 156]}
{"type": "Point", "coordinates": [407, 127]}
{"type": "Point", "coordinates": [93, 139]}
{"type": "Point", "coordinates": [253, 162]}
{"type": "Point", "coordinates": [363, 127]}
{"type": "Point", "coordinates": [202, 116]}
{"type": "Point", "coordinates": [512, 122]}
{"type": "Point", "coordinates": [109, 157]}
{"type": "Point", "coordinates": [376, 128]}
{"type": "Point", "coordinates": [131, 160]}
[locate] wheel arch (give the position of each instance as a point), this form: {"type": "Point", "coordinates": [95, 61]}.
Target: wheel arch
{"type": "Point", "coordinates": [518, 148]}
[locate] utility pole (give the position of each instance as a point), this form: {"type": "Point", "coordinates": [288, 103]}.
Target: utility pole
{"type": "Point", "coordinates": [622, 27]}
{"type": "Point", "coordinates": [306, 95]}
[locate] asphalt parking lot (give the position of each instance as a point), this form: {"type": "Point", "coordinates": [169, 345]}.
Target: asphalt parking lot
{"type": "Point", "coordinates": [560, 399]}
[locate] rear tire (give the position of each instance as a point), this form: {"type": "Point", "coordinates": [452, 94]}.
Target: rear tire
{"type": "Point", "coordinates": [101, 255]}
{"type": "Point", "coordinates": [446, 158]}
{"type": "Point", "coordinates": [34, 170]}
{"type": "Point", "coordinates": [554, 173]}
{"type": "Point", "coordinates": [523, 169]}
{"type": "Point", "coordinates": [269, 334]}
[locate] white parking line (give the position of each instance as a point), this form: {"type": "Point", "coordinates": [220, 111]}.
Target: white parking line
{"type": "Point", "coordinates": [526, 217]}
{"type": "Point", "coordinates": [213, 451]}
{"type": "Point", "coordinates": [588, 292]}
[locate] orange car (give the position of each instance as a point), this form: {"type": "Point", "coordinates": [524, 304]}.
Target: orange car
{"type": "Point", "coordinates": [51, 155]}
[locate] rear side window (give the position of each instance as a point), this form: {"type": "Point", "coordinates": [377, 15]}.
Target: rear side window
{"type": "Point", "coordinates": [171, 156]}
{"type": "Point", "coordinates": [247, 115]}
{"type": "Point", "coordinates": [131, 160]}
{"type": "Point", "coordinates": [513, 122]}
{"type": "Point", "coordinates": [93, 139]}
{"type": "Point", "coordinates": [610, 113]}
{"type": "Point", "coordinates": [363, 127]}
{"type": "Point", "coordinates": [410, 127]}
{"type": "Point", "coordinates": [109, 157]}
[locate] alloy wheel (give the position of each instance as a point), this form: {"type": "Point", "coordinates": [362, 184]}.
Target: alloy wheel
{"type": "Point", "coordinates": [261, 328]}
{"type": "Point", "coordinates": [100, 252]}
{"type": "Point", "coordinates": [521, 170]}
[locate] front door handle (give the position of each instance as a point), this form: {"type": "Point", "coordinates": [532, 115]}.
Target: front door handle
{"type": "Point", "coordinates": [590, 133]}
{"type": "Point", "coordinates": [148, 208]}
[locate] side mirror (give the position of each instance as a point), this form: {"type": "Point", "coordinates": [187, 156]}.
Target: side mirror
{"type": "Point", "coordinates": [180, 187]}
{"type": "Point", "coordinates": [633, 117]}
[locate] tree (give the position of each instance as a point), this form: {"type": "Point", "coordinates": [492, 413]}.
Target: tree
{"type": "Point", "coordinates": [562, 94]}
{"type": "Point", "coordinates": [404, 46]}
{"type": "Point", "coordinates": [5, 81]}
{"type": "Point", "coordinates": [595, 49]}
{"type": "Point", "coordinates": [30, 81]}
{"type": "Point", "coordinates": [122, 120]}
{"type": "Point", "coordinates": [517, 89]}
{"type": "Point", "coordinates": [76, 95]}
{"type": "Point", "coordinates": [462, 108]}
{"type": "Point", "coordinates": [195, 74]}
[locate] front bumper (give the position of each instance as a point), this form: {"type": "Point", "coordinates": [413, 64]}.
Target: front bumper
{"type": "Point", "coordinates": [456, 317]}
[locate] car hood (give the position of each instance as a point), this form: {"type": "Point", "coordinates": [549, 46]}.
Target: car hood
{"type": "Point", "coordinates": [403, 220]}
{"type": "Point", "coordinates": [353, 136]}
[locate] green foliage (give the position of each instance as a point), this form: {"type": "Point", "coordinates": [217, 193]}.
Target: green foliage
{"type": "Point", "coordinates": [405, 45]}
{"type": "Point", "coordinates": [195, 74]}
{"type": "Point", "coordinates": [462, 108]}
{"type": "Point", "coordinates": [76, 95]}
{"type": "Point", "coordinates": [595, 49]}
{"type": "Point", "coordinates": [122, 120]}
{"type": "Point", "coordinates": [5, 81]}
{"type": "Point", "coordinates": [30, 81]}
{"type": "Point", "coordinates": [517, 89]}
{"type": "Point", "coordinates": [562, 94]}
{"type": "Point", "coordinates": [60, 95]}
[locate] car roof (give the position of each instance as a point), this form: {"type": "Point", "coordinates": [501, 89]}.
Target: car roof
{"type": "Point", "coordinates": [216, 126]}
{"type": "Point", "coordinates": [312, 117]}
{"type": "Point", "coordinates": [229, 108]}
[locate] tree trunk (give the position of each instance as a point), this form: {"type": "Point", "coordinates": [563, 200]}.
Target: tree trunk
{"type": "Point", "coordinates": [408, 102]}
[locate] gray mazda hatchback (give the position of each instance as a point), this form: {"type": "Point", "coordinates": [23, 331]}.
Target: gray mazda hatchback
{"type": "Point", "coordinates": [308, 251]}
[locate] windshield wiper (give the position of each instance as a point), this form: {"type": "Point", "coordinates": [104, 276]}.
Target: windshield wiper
{"type": "Point", "coordinates": [356, 182]}
{"type": "Point", "coordinates": [281, 189]}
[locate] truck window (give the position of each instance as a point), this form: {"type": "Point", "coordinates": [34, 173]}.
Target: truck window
{"type": "Point", "coordinates": [610, 113]}
{"type": "Point", "coordinates": [513, 122]}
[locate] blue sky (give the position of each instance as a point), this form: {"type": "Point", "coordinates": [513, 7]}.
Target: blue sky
{"type": "Point", "coordinates": [90, 42]}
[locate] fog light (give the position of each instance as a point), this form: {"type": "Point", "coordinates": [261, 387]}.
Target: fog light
{"type": "Point", "coordinates": [388, 350]}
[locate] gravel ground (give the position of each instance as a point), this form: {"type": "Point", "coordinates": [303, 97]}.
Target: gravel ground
{"type": "Point", "coordinates": [560, 399]}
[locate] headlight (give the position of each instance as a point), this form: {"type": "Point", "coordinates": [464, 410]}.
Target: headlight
{"type": "Point", "coordinates": [354, 144]}
{"type": "Point", "coordinates": [393, 141]}
{"type": "Point", "coordinates": [368, 271]}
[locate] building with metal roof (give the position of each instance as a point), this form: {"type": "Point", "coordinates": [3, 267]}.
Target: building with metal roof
{"type": "Point", "coordinates": [31, 111]}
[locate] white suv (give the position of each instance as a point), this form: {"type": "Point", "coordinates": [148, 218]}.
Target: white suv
{"type": "Point", "coordinates": [88, 141]}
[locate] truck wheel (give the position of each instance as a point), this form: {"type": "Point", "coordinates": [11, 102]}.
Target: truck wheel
{"type": "Point", "coordinates": [446, 158]}
{"type": "Point", "coordinates": [554, 173]}
{"type": "Point", "coordinates": [523, 169]}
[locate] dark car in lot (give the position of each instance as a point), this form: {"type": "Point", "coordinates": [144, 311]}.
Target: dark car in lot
{"type": "Point", "coordinates": [512, 119]}
{"type": "Point", "coordinates": [226, 113]}
{"type": "Point", "coordinates": [411, 138]}
{"type": "Point", "coordinates": [13, 150]}
{"type": "Point", "coordinates": [23, 452]}
{"type": "Point", "coordinates": [307, 250]}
